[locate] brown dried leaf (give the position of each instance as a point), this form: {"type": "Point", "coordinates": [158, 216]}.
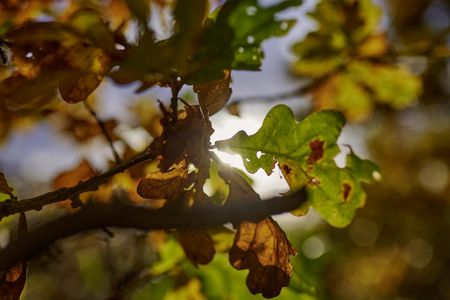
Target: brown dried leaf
{"type": "Point", "coordinates": [4, 187]}
{"type": "Point", "coordinates": [197, 244]}
{"type": "Point", "coordinates": [163, 185]}
{"type": "Point", "coordinates": [187, 139]}
{"type": "Point", "coordinates": [88, 66]}
{"type": "Point", "coordinates": [263, 248]}
{"type": "Point", "coordinates": [213, 96]}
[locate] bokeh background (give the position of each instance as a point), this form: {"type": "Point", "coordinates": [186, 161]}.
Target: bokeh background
{"type": "Point", "coordinates": [396, 248]}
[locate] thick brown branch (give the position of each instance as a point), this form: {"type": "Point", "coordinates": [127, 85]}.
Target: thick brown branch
{"type": "Point", "coordinates": [36, 203]}
{"type": "Point", "coordinates": [118, 214]}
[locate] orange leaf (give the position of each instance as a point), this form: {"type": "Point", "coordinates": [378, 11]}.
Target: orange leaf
{"type": "Point", "coordinates": [263, 248]}
{"type": "Point", "coordinates": [72, 177]}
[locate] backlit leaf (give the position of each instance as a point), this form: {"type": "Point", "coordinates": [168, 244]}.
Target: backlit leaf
{"type": "Point", "coordinates": [88, 66]}
{"type": "Point", "coordinates": [305, 153]}
{"type": "Point", "coordinates": [213, 96]}
{"type": "Point", "coordinates": [262, 247]}
{"type": "Point", "coordinates": [163, 185]}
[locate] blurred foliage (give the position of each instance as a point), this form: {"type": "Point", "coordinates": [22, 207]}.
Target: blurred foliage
{"type": "Point", "coordinates": [348, 57]}
{"type": "Point", "coordinates": [360, 60]}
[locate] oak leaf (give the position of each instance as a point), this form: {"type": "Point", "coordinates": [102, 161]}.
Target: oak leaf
{"type": "Point", "coordinates": [187, 139]}
{"type": "Point", "coordinates": [212, 96]}
{"type": "Point", "coordinates": [197, 245]}
{"type": "Point", "coordinates": [163, 185]}
{"type": "Point", "coordinates": [305, 153]}
{"type": "Point", "coordinates": [263, 248]}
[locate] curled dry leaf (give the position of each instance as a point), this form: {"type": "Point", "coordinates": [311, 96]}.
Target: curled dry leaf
{"type": "Point", "coordinates": [263, 248]}
{"type": "Point", "coordinates": [197, 244]}
{"type": "Point", "coordinates": [213, 96]}
{"type": "Point", "coordinates": [163, 185]}
{"type": "Point", "coordinates": [4, 187]}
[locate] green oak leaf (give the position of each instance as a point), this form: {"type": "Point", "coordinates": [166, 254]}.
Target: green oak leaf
{"type": "Point", "coordinates": [252, 24]}
{"type": "Point", "coordinates": [305, 153]}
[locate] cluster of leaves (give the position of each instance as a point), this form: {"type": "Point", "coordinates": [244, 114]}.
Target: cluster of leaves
{"type": "Point", "coordinates": [346, 57]}
{"type": "Point", "coordinates": [72, 55]}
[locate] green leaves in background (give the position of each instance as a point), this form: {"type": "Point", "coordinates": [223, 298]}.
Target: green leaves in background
{"type": "Point", "coordinates": [345, 56]}
{"type": "Point", "coordinates": [203, 49]}
{"type": "Point", "coordinates": [252, 24]}
{"type": "Point", "coordinates": [305, 153]}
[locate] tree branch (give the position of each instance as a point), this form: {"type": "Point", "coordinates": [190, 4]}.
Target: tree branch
{"type": "Point", "coordinates": [102, 126]}
{"type": "Point", "coordinates": [36, 203]}
{"type": "Point", "coordinates": [119, 214]}
{"type": "Point", "coordinates": [300, 91]}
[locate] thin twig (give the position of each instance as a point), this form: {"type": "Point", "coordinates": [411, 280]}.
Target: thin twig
{"type": "Point", "coordinates": [300, 91]}
{"type": "Point", "coordinates": [120, 214]}
{"type": "Point", "coordinates": [36, 203]}
{"type": "Point", "coordinates": [105, 132]}
{"type": "Point", "coordinates": [175, 87]}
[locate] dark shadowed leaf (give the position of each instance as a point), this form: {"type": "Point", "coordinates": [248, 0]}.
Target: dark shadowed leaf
{"type": "Point", "coordinates": [262, 247]}
{"type": "Point", "coordinates": [197, 245]}
{"type": "Point", "coordinates": [33, 32]}
{"type": "Point", "coordinates": [187, 139]}
{"type": "Point", "coordinates": [12, 280]}
{"type": "Point", "coordinates": [240, 189]}
{"type": "Point", "coordinates": [89, 24]}
{"type": "Point", "coordinates": [140, 9]}
{"type": "Point", "coordinates": [4, 187]}
{"type": "Point", "coordinates": [19, 93]}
